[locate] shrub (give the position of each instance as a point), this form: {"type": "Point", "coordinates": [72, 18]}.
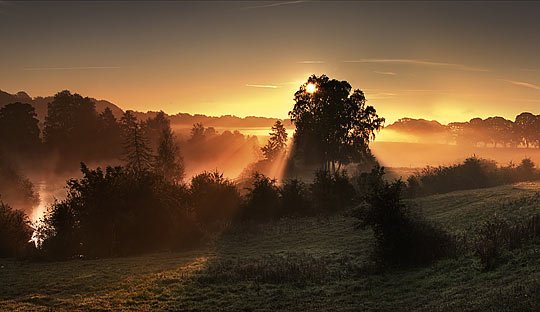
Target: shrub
{"type": "Point", "coordinates": [332, 191]}
{"type": "Point", "coordinates": [497, 234]}
{"type": "Point", "coordinates": [15, 232]}
{"type": "Point", "coordinates": [262, 202]}
{"type": "Point", "coordinates": [117, 212]}
{"type": "Point", "coordinates": [401, 237]}
{"type": "Point", "coordinates": [367, 181]}
{"type": "Point", "coordinates": [213, 197]}
{"type": "Point", "coordinates": [295, 200]}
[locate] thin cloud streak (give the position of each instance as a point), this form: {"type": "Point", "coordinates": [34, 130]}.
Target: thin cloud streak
{"type": "Point", "coordinates": [72, 68]}
{"type": "Point", "coordinates": [262, 86]}
{"type": "Point", "coordinates": [272, 5]}
{"type": "Point", "coordinates": [524, 84]}
{"type": "Point", "coordinates": [419, 62]}
{"type": "Point", "coordinates": [385, 73]}
{"type": "Point", "coordinates": [311, 62]}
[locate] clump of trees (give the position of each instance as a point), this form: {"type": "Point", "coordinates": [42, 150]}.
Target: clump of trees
{"type": "Point", "coordinates": [473, 173]}
{"type": "Point", "coordinates": [490, 132]}
{"type": "Point", "coordinates": [118, 211]}
{"type": "Point", "coordinates": [15, 232]}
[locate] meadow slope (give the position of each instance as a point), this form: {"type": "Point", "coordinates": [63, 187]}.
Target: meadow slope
{"type": "Point", "coordinates": [295, 264]}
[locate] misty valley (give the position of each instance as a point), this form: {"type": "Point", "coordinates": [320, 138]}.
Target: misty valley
{"type": "Point", "coordinates": [269, 156]}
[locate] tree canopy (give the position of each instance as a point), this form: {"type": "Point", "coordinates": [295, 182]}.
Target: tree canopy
{"type": "Point", "coordinates": [333, 123]}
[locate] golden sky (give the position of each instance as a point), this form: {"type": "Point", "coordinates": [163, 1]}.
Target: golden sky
{"type": "Point", "coordinates": [444, 61]}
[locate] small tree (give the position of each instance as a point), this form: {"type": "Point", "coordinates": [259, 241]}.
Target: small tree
{"type": "Point", "coordinates": [277, 142]}
{"type": "Point", "coordinates": [136, 150]}
{"type": "Point", "coordinates": [213, 197]}
{"type": "Point", "coordinates": [262, 202]}
{"type": "Point", "coordinates": [402, 238]}
{"type": "Point", "coordinates": [169, 163]}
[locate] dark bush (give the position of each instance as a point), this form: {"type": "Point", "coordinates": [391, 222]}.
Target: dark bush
{"type": "Point", "coordinates": [366, 182]}
{"type": "Point", "coordinates": [262, 202]}
{"type": "Point", "coordinates": [117, 212]}
{"type": "Point", "coordinates": [295, 200]}
{"type": "Point", "coordinates": [15, 232]}
{"type": "Point", "coordinates": [213, 197]}
{"type": "Point", "coordinates": [401, 237]}
{"type": "Point", "coordinates": [331, 191]}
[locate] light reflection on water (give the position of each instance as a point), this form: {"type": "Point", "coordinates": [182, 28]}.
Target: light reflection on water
{"type": "Point", "coordinates": [48, 191]}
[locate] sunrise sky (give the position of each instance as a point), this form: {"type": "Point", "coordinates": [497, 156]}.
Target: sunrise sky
{"type": "Point", "coordinates": [443, 61]}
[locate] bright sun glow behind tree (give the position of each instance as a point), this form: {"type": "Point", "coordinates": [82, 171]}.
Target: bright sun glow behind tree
{"type": "Point", "coordinates": [311, 88]}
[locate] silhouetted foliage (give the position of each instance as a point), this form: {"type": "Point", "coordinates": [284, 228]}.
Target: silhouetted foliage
{"type": "Point", "coordinates": [15, 232]}
{"type": "Point", "coordinates": [169, 163]}
{"type": "Point", "coordinates": [213, 197]}
{"type": "Point", "coordinates": [197, 133]}
{"type": "Point", "coordinates": [333, 125]}
{"type": "Point", "coordinates": [153, 128]}
{"type": "Point", "coordinates": [402, 238]}
{"type": "Point", "coordinates": [295, 198]}
{"type": "Point", "coordinates": [118, 212]}
{"type": "Point", "coordinates": [331, 191]}
{"type": "Point", "coordinates": [109, 135]}
{"type": "Point", "coordinates": [70, 127]}
{"type": "Point", "coordinates": [277, 142]}
{"type": "Point", "coordinates": [473, 173]}
{"type": "Point", "coordinates": [15, 189]}
{"type": "Point", "coordinates": [138, 154]}
{"type": "Point", "coordinates": [495, 132]}
{"type": "Point", "coordinates": [368, 182]}
{"type": "Point", "coordinates": [262, 202]}
{"type": "Point", "coordinates": [19, 131]}
{"type": "Point", "coordinates": [494, 236]}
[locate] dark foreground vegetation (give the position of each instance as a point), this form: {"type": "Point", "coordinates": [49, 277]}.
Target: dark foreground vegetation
{"type": "Point", "coordinates": [143, 205]}
{"type": "Point", "coordinates": [305, 263]}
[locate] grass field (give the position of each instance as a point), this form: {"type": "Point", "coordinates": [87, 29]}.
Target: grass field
{"type": "Point", "coordinates": [295, 264]}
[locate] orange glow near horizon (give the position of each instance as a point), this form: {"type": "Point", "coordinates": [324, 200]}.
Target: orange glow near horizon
{"type": "Point", "coordinates": [166, 55]}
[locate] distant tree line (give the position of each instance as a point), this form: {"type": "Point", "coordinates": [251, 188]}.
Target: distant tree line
{"type": "Point", "coordinates": [524, 131]}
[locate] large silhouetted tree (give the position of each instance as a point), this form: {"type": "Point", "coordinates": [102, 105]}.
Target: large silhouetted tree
{"type": "Point", "coordinates": [70, 127]}
{"type": "Point", "coordinates": [277, 142]}
{"type": "Point", "coordinates": [110, 135]}
{"type": "Point", "coordinates": [524, 126]}
{"type": "Point", "coordinates": [333, 125]}
{"type": "Point", "coordinates": [19, 131]}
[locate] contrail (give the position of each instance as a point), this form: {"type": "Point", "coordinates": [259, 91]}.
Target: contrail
{"type": "Point", "coordinates": [272, 5]}
{"type": "Point", "coordinates": [420, 62]}
{"type": "Point", "coordinates": [262, 86]}
{"type": "Point", "coordinates": [72, 68]}
{"type": "Point", "coordinates": [523, 84]}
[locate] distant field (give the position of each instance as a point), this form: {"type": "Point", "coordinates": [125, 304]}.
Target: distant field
{"type": "Point", "coordinates": [297, 264]}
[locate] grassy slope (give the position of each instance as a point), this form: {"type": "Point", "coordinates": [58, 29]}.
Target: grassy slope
{"type": "Point", "coordinates": [306, 264]}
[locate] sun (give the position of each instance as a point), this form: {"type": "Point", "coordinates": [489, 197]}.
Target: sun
{"type": "Point", "coordinates": [311, 88]}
